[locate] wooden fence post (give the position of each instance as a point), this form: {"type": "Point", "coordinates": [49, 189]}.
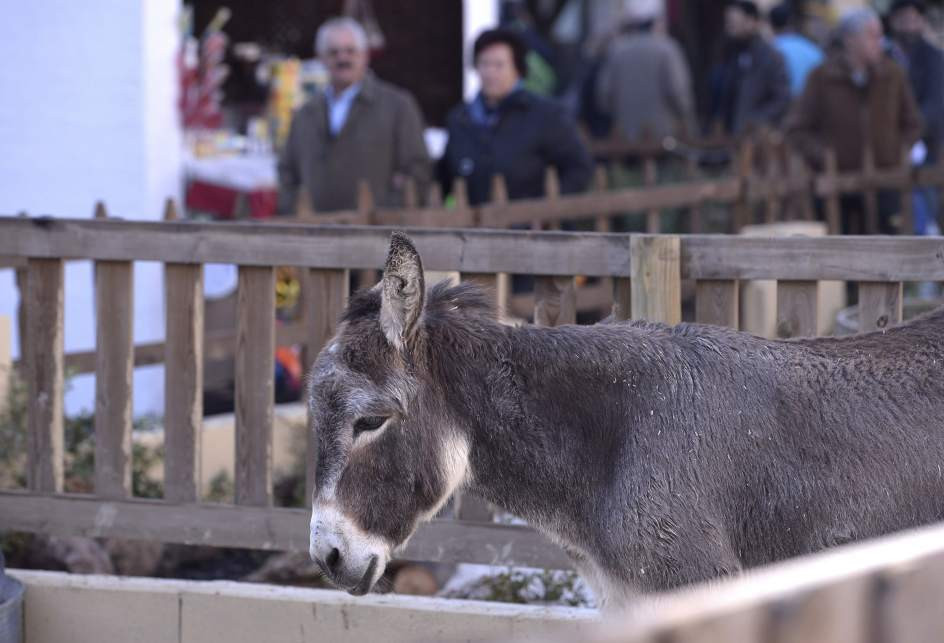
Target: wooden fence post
{"type": "Point", "coordinates": [656, 283]}
{"type": "Point", "coordinates": [743, 208]}
{"type": "Point", "coordinates": [114, 366]}
{"type": "Point", "coordinates": [6, 360]}
{"type": "Point", "coordinates": [797, 308]}
{"type": "Point", "coordinates": [44, 363]}
{"type": "Point", "coordinates": [716, 302]}
{"type": "Point", "coordinates": [183, 374]}
{"type": "Point", "coordinates": [653, 215]}
{"type": "Point", "coordinates": [906, 194]}
{"type": "Point", "coordinates": [255, 386]}
{"type": "Point", "coordinates": [324, 297]}
{"type": "Point", "coordinates": [880, 305]}
{"type": "Point", "coordinates": [833, 211]}
{"type": "Point", "coordinates": [869, 194]}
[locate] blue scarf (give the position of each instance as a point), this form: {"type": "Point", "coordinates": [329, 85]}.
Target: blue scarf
{"type": "Point", "coordinates": [487, 116]}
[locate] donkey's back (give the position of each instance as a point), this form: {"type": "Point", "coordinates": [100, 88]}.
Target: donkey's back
{"type": "Point", "coordinates": [757, 450]}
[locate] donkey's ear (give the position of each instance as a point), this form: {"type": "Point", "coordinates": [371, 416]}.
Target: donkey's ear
{"type": "Point", "coordinates": [403, 291]}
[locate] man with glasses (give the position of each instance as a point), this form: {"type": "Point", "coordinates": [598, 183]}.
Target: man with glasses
{"type": "Point", "coordinates": [359, 128]}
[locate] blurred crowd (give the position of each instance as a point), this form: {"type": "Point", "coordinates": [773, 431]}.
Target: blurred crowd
{"type": "Point", "coordinates": [874, 86]}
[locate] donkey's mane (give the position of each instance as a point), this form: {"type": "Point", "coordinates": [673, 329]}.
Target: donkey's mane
{"type": "Point", "coordinates": [441, 299]}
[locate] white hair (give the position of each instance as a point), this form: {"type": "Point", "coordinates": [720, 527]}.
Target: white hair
{"type": "Point", "coordinates": [336, 24]}
{"type": "Point", "coordinates": [854, 21]}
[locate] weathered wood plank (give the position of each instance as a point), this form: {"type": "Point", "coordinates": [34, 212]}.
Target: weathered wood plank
{"type": "Point", "coordinates": [44, 378]}
{"type": "Point", "coordinates": [880, 305]}
{"type": "Point", "coordinates": [807, 258]}
{"type": "Point", "coordinates": [183, 381]}
{"type": "Point", "coordinates": [594, 204]}
{"type": "Point", "coordinates": [622, 298]}
{"type": "Point", "coordinates": [262, 528]}
{"type": "Point", "coordinates": [908, 602]}
{"type": "Point", "coordinates": [716, 302]}
{"type": "Point", "coordinates": [656, 278]}
{"type": "Point", "coordinates": [555, 301]}
{"type": "Point", "coordinates": [325, 296]}
{"type": "Point", "coordinates": [653, 214]}
{"type": "Point", "coordinates": [114, 342]}
{"type": "Point", "coordinates": [548, 253]}
{"type": "Point", "coordinates": [797, 308]}
{"type": "Point", "coordinates": [216, 345]}
{"type": "Point", "coordinates": [255, 385]}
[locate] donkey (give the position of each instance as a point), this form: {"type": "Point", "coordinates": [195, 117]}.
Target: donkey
{"type": "Point", "coordinates": [654, 455]}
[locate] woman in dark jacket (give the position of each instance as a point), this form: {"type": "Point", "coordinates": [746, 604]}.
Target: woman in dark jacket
{"type": "Point", "coordinates": [510, 131]}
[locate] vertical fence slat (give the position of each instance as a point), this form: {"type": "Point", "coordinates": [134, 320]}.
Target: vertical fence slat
{"type": "Point", "coordinates": [870, 194]}
{"type": "Point", "coordinates": [833, 216]}
{"type": "Point", "coordinates": [114, 364]}
{"type": "Point", "coordinates": [255, 365]}
{"type": "Point", "coordinates": [44, 359]}
{"type": "Point", "coordinates": [695, 209]}
{"type": "Point", "coordinates": [880, 305]}
{"type": "Point", "coordinates": [797, 308]}
{"type": "Point", "coordinates": [653, 223]}
{"type": "Point", "coordinates": [325, 297]}
{"type": "Point", "coordinates": [622, 298]}
{"type": "Point", "coordinates": [716, 302]}
{"type": "Point", "coordinates": [555, 301]}
{"type": "Point", "coordinates": [656, 284]}
{"type": "Point", "coordinates": [183, 382]}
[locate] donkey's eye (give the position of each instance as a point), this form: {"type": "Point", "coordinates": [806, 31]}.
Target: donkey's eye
{"type": "Point", "coordinates": [371, 423]}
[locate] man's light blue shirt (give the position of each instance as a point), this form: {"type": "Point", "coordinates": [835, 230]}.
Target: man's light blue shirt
{"type": "Point", "coordinates": [339, 106]}
{"type": "Point", "coordinates": [801, 56]}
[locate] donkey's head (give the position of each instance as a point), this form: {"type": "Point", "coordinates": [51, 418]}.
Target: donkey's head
{"type": "Point", "coordinates": [388, 456]}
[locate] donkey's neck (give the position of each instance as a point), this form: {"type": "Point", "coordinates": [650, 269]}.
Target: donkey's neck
{"type": "Point", "coordinates": [541, 445]}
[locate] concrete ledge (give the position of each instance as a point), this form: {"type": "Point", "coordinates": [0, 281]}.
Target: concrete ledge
{"type": "Point", "coordinates": [65, 608]}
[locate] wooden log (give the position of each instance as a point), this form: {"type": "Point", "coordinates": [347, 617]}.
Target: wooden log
{"type": "Point", "coordinates": [880, 305]}
{"type": "Point", "coordinates": [716, 302]}
{"type": "Point", "coordinates": [44, 375]}
{"type": "Point", "coordinates": [656, 278]}
{"type": "Point", "coordinates": [255, 387]}
{"type": "Point", "coordinates": [114, 311]}
{"type": "Point", "coordinates": [183, 381]}
{"type": "Point", "coordinates": [325, 297]}
{"type": "Point", "coordinates": [555, 301]}
{"type": "Point", "coordinates": [797, 311]}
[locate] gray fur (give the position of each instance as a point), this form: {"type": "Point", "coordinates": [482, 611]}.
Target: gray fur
{"type": "Point", "coordinates": [656, 455]}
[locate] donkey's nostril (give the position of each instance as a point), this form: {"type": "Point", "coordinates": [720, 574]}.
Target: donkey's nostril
{"type": "Point", "coordinates": [334, 557]}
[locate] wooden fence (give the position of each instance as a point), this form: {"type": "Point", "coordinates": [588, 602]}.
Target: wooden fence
{"type": "Point", "coordinates": [646, 272]}
{"type": "Point", "coordinates": [767, 182]}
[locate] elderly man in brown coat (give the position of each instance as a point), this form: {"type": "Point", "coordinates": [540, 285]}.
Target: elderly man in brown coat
{"type": "Point", "coordinates": [359, 128]}
{"type": "Point", "coordinates": [858, 99]}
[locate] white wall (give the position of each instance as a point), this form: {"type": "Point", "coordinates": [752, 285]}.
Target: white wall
{"type": "Point", "coordinates": [89, 112]}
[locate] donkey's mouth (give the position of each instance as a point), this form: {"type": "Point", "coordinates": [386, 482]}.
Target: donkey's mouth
{"type": "Point", "coordinates": [367, 580]}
